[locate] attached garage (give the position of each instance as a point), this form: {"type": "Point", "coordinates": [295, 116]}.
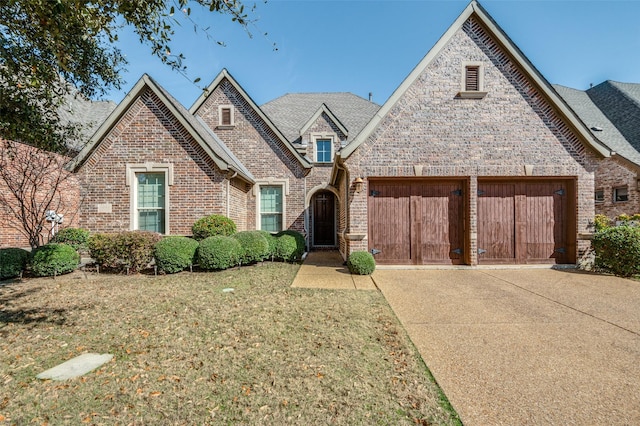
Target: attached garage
{"type": "Point", "coordinates": [417, 221]}
{"type": "Point", "coordinates": [526, 221]}
{"type": "Point", "coordinates": [426, 221]}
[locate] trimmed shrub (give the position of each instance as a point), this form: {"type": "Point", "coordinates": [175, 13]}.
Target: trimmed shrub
{"type": "Point", "coordinates": [75, 237]}
{"type": "Point", "coordinates": [618, 250]}
{"type": "Point", "coordinates": [601, 222]}
{"type": "Point", "coordinates": [54, 259]}
{"type": "Point", "coordinates": [255, 247]}
{"type": "Point", "coordinates": [289, 245]}
{"type": "Point", "coordinates": [271, 240]}
{"type": "Point", "coordinates": [12, 262]}
{"type": "Point", "coordinates": [361, 263]}
{"type": "Point", "coordinates": [175, 254]}
{"type": "Point", "coordinates": [129, 249]}
{"type": "Point", "coordinates": [215, 224]}
{"type": "Point", "coordinates": [219, 252]}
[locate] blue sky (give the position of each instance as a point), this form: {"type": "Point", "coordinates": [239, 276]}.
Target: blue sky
{"type": "Point", "coordinates": [371, 46]}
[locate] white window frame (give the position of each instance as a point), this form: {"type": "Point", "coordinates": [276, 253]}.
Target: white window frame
{"type": "Point", "coordinates": [615, 194]}
{"type": "Point", "coordinates": [132, 183]}
{"type": "Point", "coordinates": [232, 115]}
{"type": "Point", "coordinates": [315, 137]}
{"type": "Point", "coordinates": [472, 94]}
{"type": "Point", "coordinates": [284, 183]}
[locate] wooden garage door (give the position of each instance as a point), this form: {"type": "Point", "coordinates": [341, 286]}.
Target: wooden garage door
{"type": "Point", "coordinates": [525, 222]}
{"type": "Point", "coordinates": [416, 222]}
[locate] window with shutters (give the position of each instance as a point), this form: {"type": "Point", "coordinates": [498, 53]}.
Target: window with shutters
{"type": "Point", "coordinates": [225, 116]}
{"type": "Point", "coordinates": [472, 86]}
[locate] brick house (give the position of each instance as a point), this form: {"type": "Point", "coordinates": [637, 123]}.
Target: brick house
{"type": "Point", "coordinates": [611, 110]}
{"type": "Point", "coordinates": [475, 158]}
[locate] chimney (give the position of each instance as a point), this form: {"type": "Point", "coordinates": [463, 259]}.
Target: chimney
{"type": "Point", "coordinates": [370, 96]}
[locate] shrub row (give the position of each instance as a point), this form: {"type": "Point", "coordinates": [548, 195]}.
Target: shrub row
{"type": "Point", "coordinates": [49, 260]}
{"type": "Point", "coordinates": [128, 249]}
{"type": "Point", "coordinates": [617, 250]}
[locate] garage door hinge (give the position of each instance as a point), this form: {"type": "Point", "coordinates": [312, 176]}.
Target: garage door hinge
{"type": "Point", "coordinates": [561, 250]}
{"type": "Point", "coordinates": [375, 251]}
{"type": "Point", "coordinates": [374, 193]}
{"type": "Point", "coordinates": [480, 192]}
{"type": "Point", "coordinates": [559, 192]}
{"type": "Point", "coordinates": [481, 251]}
{"type": "Point", "coordinates": [457, 251]}
{"type": "Point", "coordinates": [457, 192]}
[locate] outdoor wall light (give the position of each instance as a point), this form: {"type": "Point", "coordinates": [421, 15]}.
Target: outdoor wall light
{"type": "Point", "coordinates": [358, 183]}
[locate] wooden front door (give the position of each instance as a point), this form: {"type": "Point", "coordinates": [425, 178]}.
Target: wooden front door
{"type": "Point", "coordinates": [416, 221]}
{"type": "Point", "coordinates": [525, 222]}
{"type": "Point", "coordinates": [324, 219]}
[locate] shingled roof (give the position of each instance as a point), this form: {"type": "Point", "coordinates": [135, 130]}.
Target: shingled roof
{"type": "Point", "coordinates": [291, 112]}
{"type": "Point", "coordinates": [601, 127]}
{"type": "Point", "coordinates": [77, 109]}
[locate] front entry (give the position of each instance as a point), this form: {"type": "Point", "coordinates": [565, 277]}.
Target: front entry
{"type": "Point", "coordinates": [323, 219]}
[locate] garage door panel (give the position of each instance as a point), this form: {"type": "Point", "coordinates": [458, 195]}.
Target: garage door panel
{"type": "Point", "coordinates": [496, 222]}
{"type": "Point", "coordinates": [389, 222]}
{"type": "Point", "coordinates": [546, 212]}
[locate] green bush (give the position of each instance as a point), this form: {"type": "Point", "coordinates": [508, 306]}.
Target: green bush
{"type": "Point", "coordinates": [12, 262]}
{"type": "Point", "coordinates": [75, 237]}
{"type": "Point", "coordinates": [54, 259]}
{"type": "Point", "coordinates": [219, 252]}
{"type": "Point", "coordinates": [361, 263]}
{"type": "Point", "coordinates": [175, 254]}
{"type": "Point", "coordinates": [289, 246]}
{"type": "Point", "coordinates": [128, 249]}
{"type": "Point", "coordinates": [618, 250]}
{"type": "Point", "coordinates": [255, 247]}
{"type": "Point", "coordinates": [209, 226]}
{"type": "Point", "coordinates": [271, 241]}
{"type": "Point", "coordinates": [601, 222]}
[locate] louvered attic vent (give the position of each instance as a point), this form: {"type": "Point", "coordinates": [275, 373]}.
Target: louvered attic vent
{"type": "Point", "coordinates": [472, 83]}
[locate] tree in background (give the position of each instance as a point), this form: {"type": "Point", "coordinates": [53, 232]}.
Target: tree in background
{"type": "Point", "coordinates": [50, 47]}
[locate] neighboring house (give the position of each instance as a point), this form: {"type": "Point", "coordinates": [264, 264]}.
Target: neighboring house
{"type": "Point", "coordinates": [611, 110]}
{"type": "Point", "coordinates": [474, 159]}
{"type": "Point", "coordinates": [40, 176]}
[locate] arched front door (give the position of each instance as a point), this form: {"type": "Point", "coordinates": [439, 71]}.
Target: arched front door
{"type": "Point", "coordinates": [324, 219]}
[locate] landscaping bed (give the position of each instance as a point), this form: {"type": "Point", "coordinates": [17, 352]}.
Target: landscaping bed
{"type": "Point", "coordinates": [188, 350]}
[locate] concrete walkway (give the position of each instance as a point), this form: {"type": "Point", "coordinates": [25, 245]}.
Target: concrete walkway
{"type": "Point", "coordinates": [525, 347]}
{"type": "Point", "coordinates": [326, 269]}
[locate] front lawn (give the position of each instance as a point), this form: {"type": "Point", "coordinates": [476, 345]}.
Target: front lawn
{"type": "Point", "coordinates": [190, 351]}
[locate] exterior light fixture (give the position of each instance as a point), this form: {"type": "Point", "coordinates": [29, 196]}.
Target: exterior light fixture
{"type": "Point", "coordinates": [358, 183]}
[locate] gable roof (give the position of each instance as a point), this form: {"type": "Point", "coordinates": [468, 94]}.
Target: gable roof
{"type": "Point", "coordinates": [600, 126]}
{"type": "Point", "coordinates": [224, 74]}
{"type": "Point", "coordinates": [475, 10]}
{"type": "Point", "coordinates": [293, 113]}
{"type": "Point", "coordinates": [209, 142]}
{"type": "Point", "coordinates": [620, 102]}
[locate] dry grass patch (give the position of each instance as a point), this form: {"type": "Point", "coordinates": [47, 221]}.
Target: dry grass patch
{"type": "Point", "coordinates": [186, 352]}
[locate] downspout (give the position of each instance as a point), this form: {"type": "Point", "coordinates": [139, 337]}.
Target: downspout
{"type": "Point", "coordinates": [229, 193]}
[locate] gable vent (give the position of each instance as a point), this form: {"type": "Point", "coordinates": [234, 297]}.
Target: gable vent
{"type": "Point", "coordinates": [472, 79]}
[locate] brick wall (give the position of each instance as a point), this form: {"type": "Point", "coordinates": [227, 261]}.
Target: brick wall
{"type": "Point", "coordinates": [512, 126]}
{"type": "Point", "coordinates": [47, 187]}
{"type": "Point", "coordinates": [612, 173]}
{"type": "Point", "coordinates": [148, 132]}
{"type": "Point", "coordinates": [260, 150]}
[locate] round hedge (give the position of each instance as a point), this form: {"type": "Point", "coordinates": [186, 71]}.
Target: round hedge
{"type": "Point", "coordinates": [12, 262]}
{"type": "Point", "coordinates": [175, 254]}
{"type": "Point", "coordinates": [209, 226]}
{"type": "Point", "coordinates": [361, 263]}
{"type": "Point", "coordinates": [271, 241]}
{"type": "Point", "coordinates": [75, 237]}
{"type": "Point", "coordinates": [618, 250]}
{"type": "Point", "coordinates": [255, 247]}
{"type": "Point", "coordinates": [54, 259]}
{"type": "Point", "coordinates": [219, 252]}
{"type": "Point", "coordinates": [289, 245]}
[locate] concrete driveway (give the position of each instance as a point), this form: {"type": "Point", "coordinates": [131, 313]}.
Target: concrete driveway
{"type": "Point", "coordinates": [525, 346]}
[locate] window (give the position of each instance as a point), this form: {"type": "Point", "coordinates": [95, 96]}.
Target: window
{"type": "Point", "coordinates": [151, 202]}
{"type": "Point", "coordinates": [599, 196]}
{"type": "Point", "coordinates": [620, 194]}
{"type": "Point", "coordinates": [271, 208]}
{"type": "Point", "coordinates": [323, 150]}
{"type": "Point", "coordinates": [225, 115]}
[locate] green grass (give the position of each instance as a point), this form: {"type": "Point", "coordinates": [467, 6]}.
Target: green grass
{"type": "Point", "coordinates": [188, 353]}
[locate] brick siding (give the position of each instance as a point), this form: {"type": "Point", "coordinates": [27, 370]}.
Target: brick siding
{"type": "Point", "coordinates": [614, 173]}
